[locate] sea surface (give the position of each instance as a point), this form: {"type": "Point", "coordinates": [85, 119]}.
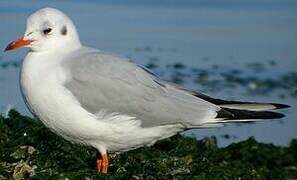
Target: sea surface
{"type": "Point", "coordinates": [238, 50]}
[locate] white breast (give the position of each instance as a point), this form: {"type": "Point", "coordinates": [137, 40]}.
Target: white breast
{"type": "Point", "coordinates": [42, 80]}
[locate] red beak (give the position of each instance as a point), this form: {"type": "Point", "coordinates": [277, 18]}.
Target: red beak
{"type": "Point", "coordinates": [21, 42]}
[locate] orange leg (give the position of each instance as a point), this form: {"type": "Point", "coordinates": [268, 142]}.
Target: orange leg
{"type": "Point", "coordinates": [102, 163]}
{"type": "Point", "coordinates": [105, 164]}
{"type": "Point", "coordinates": [98, 164]}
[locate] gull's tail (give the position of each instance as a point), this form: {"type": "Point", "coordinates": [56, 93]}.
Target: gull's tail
{"type": "Point", "coordinates": [238, 111]}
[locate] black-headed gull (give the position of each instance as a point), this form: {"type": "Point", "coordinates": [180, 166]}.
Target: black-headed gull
{"type": "Point", "coordinates": [102, 100]}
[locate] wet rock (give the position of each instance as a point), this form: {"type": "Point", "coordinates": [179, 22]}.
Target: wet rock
{"type": "Point", "coordinates": [22, 170]}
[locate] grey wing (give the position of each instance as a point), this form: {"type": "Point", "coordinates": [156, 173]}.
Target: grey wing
{"type": "Point", "coordinates": [106, 82]}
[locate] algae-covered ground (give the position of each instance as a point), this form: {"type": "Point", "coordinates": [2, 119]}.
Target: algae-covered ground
{"type": "Point", "coordinates": [30, 150]}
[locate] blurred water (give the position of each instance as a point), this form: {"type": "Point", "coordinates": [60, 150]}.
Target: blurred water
{"type": "Point", "coordinates": [199, 34]}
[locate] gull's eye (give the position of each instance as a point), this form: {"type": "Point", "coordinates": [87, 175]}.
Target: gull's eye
{"type": "Point", "coordinates": [47, 31]}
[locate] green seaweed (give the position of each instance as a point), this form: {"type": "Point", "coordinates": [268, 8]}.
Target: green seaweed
{"type": "Point", "coordinates": [30, 150]}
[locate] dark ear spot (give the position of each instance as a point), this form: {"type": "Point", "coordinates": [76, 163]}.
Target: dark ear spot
{"type": "Point", "coordinates": [64, 30]}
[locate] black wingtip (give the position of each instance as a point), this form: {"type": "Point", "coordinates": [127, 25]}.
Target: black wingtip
{"type": "Point", "coordinates": [235, 114]}
{"type": "Point", "coordinates": [280, 106]}
{"type": "Point", "coordinates": [271, 115]}
{"type": "Point", "coordinates": [226, 102]}
{"type": "Point", "coordinates": [279, 116]}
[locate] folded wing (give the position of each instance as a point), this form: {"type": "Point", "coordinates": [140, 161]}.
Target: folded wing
{"type": "Point", "coordinates": [104, 82]}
